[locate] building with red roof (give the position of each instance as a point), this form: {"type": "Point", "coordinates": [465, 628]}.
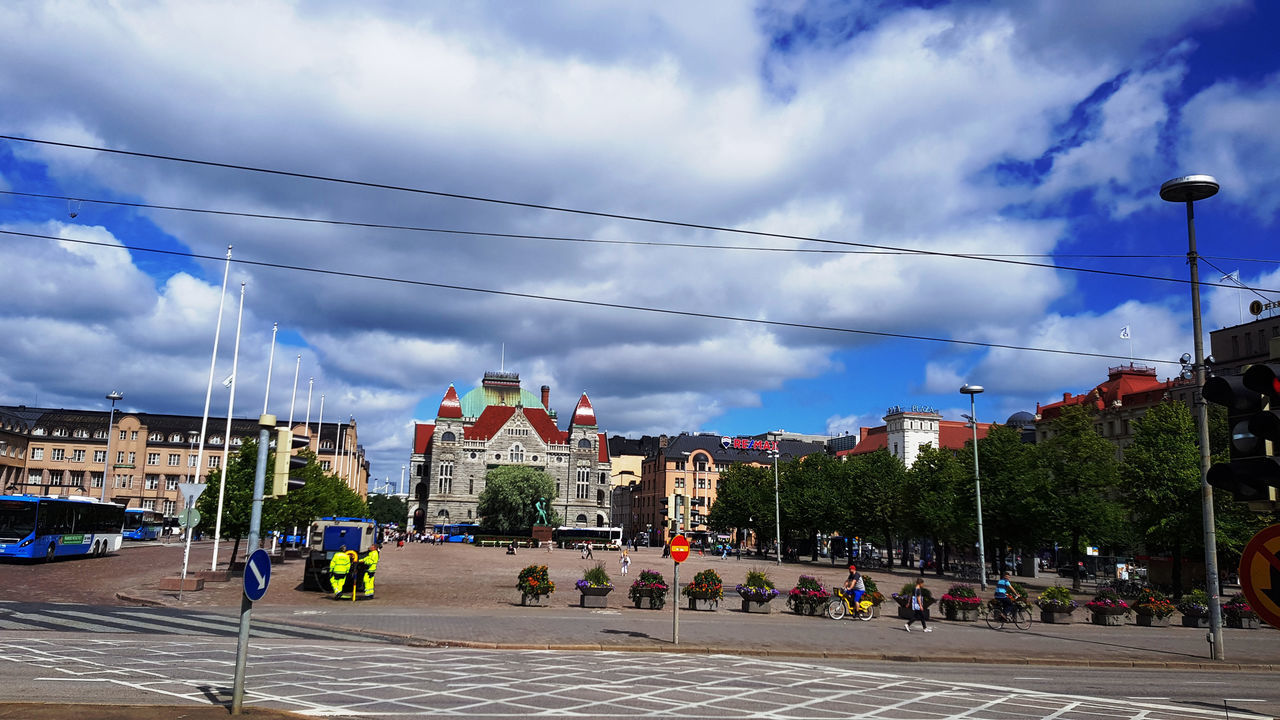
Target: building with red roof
{"type": "Point", "coordinates": [906, 430]}
{"type": "Point", "coordinates": [1127, 393]}
{"type": "Point", "coordinates": [500, 423]}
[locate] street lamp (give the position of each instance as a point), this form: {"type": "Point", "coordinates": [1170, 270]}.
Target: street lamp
{"type": "Point", "coordinates": [972, 390]}
{"type": "Point", "coordinates": [113, 396]}
{"type": "Point", "coordinates": [777, 512]}
{"type": "Point", "coordinates": [1188, 189]}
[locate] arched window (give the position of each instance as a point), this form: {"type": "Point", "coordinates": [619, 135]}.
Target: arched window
{"type": "Point", "coordinates": [581, 519]}
{"type": "Point", "coordinates": [584, 443]}
{"type": "Point", "coordinates": [599, 520]}
{"type": "Point", "coordinates": [516, 453]}
{"type": "Point", "coordinates": [443, 513]}
{"type": "Point", "coordinates": [599, 499]}
{"type": "Point", "coordinates": [155, 437]}
{"type": "Point", "coordinates": [448, 436]}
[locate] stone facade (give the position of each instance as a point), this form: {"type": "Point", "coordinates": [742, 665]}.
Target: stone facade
{"type": "Point", "coordinates": [501, 424]}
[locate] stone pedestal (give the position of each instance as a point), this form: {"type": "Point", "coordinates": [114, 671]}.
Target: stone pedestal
{"type": "Point", "coordinates": [533, 600]}
{"type": "Point", "coordinates": [212, 575]}
{"type": "Point", "coordinates": [191, 584]}
{"type": "Point", "coordinates": [541, 533]}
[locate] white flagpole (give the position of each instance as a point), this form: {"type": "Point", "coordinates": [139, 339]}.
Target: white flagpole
{"type": "Point", "coordinates": [293, 401]}
{"type": "Point", "coordinates": [320, 427]}
{"type": "Point", "coordinates": [271, 362]}
{"type": "Point", "coordinates": [311, 383]}
{"type": "Point", "coordinates": [226, 441]}
{"type": "Point", "coordinates": [337, 451]}
{"type": "Point", "coordinates": [208, 395]}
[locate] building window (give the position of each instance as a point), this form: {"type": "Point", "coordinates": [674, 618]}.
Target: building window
{"type": "Point", "coordinates": [171, 482]}
{"type": "Point", "coordinates": [214, 461]}
{"type": "Point", "coordinates": [119, 457]}
{"type": "Point", "coordinates": [326, 444]}
{"type": "Point", "coordinates": [153, 458]}
{"type": "Point", "coordinates": [191, 461]}
{"type": "Point", "coordinates": [55, 477]}
{"type": "Point", "coordinates": [133, 435]}
{"type": "Point", "coordinates": [604, 478]}
{"type": "Point", "coordinates": [77, 456]}
{"type": "Point", "coordinates": [77, 478]}
{"type": "Point", "coordinates": [100, 434]}
{"type": "Point", "coordinates": [123, 435]}
{"type": "Point", "coordinates": [516, 453]}
{"type": "Point", "coordinates": [60, 432]}
{"type": "Point", "coordinates": [124, 481]}
{"type": "Point", "coordinates": [133, 457]}
{"type": "Point", "coordinates": [680, 482]}
{"type": "Point", "coordinates": [446, 477]}
{"type": "Point", "coordinates": [325, 465]}
{"type": "Point", "coordinates": [170, 507]}
{"type": "Point", "coordinates": [448, 437]}
{"type": "Point", "coordinates": [151, 482]}
{"type": "Point", "coordinates": [155, 437]}
{"type": "Point", "coordinates": [680, 465]}
{"type": "Point", "coordinates": [80, 433]}
{"type": "Point", "coordinates": [35, 477]}
{"type": "Point", "coordinates": [583, 491]}
{"type": "Point", "coordinates": [584, 443]}
{"type": "Point", "coordinates": [148, 504]}
{"type": "Point", "coordinates": [215, 440]}
{"type": "Point", "coordinates": [174, 459]}
{"type": "Point", "coordinates": [175, 438]}
{"type": "Point", "coordinates": [58, 454]}
{"type": "Point", "coordinates": [95, 479]}
{"type": "Point", "coordinates": [37, 453]}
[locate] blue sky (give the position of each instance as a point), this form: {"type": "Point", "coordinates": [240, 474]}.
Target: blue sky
{"type": "Point", "coordinates": [1036, 129]}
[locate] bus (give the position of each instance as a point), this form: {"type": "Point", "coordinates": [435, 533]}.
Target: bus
{"type": "Point", "coordinates": [456, 532]}
{"type": "Point", "coordinates": [600, 537]}
{"type": "Point", "coordinates": [140, 524]}
{"type": "Point", "coordinates": [34, 526]}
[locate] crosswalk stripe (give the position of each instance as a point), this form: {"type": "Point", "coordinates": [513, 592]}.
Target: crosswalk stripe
{"type": "Point", "coordinates": [6, 625]}
{"type": "Point", "coordinates": [49, 622]}
{"type": "Point", "coordinates": [134, 619]}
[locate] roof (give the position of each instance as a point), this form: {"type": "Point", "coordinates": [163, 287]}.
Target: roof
{"type": "Point", "coordinates": [584, 415]}
{"type": "Point", "coordinates": [952, 435]}
{"type": "Point", "coordinates": [711, 443]}
{"type": "Point", "coordinates": [477, 399]}
{"type": "Point", "coordinates": [422, 434]}
{"type": "Point", "coordinates": [1126, 386]}
{"type": "Point", "coordinates": [489, 422]}
{"type": "Point", "coordinates": [544, 426]}
{"type": "Point", "coordinates": [869, 440]}
{"type": "Point", "coordinates": [603, 444]}
{"type": "Point", "coordinates": [449, 406]}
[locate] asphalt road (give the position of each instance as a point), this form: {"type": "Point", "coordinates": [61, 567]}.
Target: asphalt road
{"type": "Point", "coordinates": [377, 680]}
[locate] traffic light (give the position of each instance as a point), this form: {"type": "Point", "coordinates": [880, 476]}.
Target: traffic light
{"type": "Point", "coordinates": [1253, 417]}
{"type": "Point", "coordinates": [286, 461]}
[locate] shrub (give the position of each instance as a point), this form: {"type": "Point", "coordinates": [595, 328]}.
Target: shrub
{"type": "Point", "coordinates": [595, 577]}
{"type": "Point", "coordinates": [1056, 599]}
{"type": "Point", "coordinates": [534, 580]}
{"type": "Point", "coordinates": [960, 597]}
{"type": "Point", "coordinates": [758, 587]}
{"type": "Point", "coordinates": [1194, 604]}
{"type": "Point", "coordinates": [1237, 607]}
{"type": "Point", "coordinates": [807, 594]}
{"type": "Point", "coordinates": [1153, 603]}
{"type": "Point", "coordinates": [1108, 601]}
{"type": "Point", "coordinates": [650, 584]}
{"type": "Point", "coordinates": [904, 596]}
{"type": "Point", "coordinates": [706, 585]}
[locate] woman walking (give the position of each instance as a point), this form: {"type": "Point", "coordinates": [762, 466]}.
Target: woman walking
{"type": "Point", "coordinates": [624, 561]}
{"type": "Point", "coordinates": [917, 606]}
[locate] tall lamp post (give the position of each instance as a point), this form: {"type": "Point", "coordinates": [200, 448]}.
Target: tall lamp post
{"type": "Point", "coordinates": [972, 390]}
{"type": "Point", "coordinates": [1188, 189]}
{"type": "Point", "coordinates": [777, 512]}
{"type": "Point", "coordinates": [113, 396]}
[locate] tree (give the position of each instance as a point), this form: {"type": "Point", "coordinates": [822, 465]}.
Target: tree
{"type": "Point", "coordinates": [878, 482]}
{"type": "Point", "coordinates": [508, 504]}
{"type": "Point", "coordinates": [388, 509]}
{"type": "Point", "coordinates": [805, 490]}
{"type": "Point", "coordinates": [937, 504]}
{"type": "Point", "coordinates": [1083, 480]}
{"type": "Point", "coordinates": [744, 500]}
{"type": "Point", "coordinates": [237, 496]}
{"type": "Point", "coordinates": [321, 495]}
{"type": "Point", "coordinates": [1161, 470]}
{"type": "Point", "coordinates": [1014, 491]}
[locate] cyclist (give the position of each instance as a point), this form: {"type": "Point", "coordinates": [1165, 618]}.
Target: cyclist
{"type": "Point", "coordinates": [855, 583]}
{"type": "Point", "coordinates": [1004, 589]}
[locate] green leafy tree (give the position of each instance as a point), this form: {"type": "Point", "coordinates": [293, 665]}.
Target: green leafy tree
{"type": "Point", "coordinates": [1161, 470]}
{"type": "Point", "coordinates": [744, 500]}
{"type": "Point", "coordinates": [1083, 481]}
{"type": "Point", "coordinates": [237, 496]}
{"type": "Point", "coordinates": [937, 506]}
{"type": "Point", "coordinates": [321, 495]}
{"type": "Point", "coordinates": [388, 509]}
{"type": "Point", "coordinates": [1014, 492]}
{"type": "Point", "coordinates": [879, 482]}
{"type": "Point", "coordinates": [508, 503]}
{"type": "Point", "coordinates": [805, 490]}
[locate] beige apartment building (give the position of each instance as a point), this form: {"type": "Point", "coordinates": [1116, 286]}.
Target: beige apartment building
{"type": "Point", "coordinates": [142, 457]}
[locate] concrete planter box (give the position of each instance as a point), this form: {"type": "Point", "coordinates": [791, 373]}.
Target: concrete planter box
{"type": "Point", "coordinates": [1152, 621]}
{"type": "Point", "coordinates": [1195, 621]}
{"type": "Point", "coordinates": [703, 604]}
{"type": "Point", "coordinates": [809, 609]}
{"type": "Point", "coordinates": [534, 600]}
{"type": "Point", "coordinates": [191, 584]}
{"type": "Point", "coordinates": [1052, 617]}
{"type": "Point", "coordinates": [756, 606]}
{"type": "Point", "coordinates": [904, 613]}
{"type": "Point", "coordinates": [1243, 623]}
{"type": "Point", "coordinates": [961, 614]}
{"type": "Point", "coordinates": [649, 602]}
{"type": "Point", "coordinates": [1107, 618]}
{"type": "Point", "coordinates": [594, 597]}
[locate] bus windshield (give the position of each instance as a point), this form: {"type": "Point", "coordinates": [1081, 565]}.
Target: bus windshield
{"type": "Point", "coordinates": [17, 519]}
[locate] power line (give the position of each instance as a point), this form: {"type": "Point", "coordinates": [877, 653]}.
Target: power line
{"type": "Point", "coordinates": [588, 303]}
{"type": "Point", "coordinates": [573, 211]}
{"type": "Point", "coordinates": [887, 250]}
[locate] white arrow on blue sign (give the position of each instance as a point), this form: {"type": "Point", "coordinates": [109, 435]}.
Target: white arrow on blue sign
{"type": "Point", "coordinates": [257, 575]}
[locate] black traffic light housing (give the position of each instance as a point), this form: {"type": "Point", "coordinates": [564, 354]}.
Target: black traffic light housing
{"type": "Point", "coordinates": [1253, 416]}
{"type": "Point", "coordinates": [286, 461]}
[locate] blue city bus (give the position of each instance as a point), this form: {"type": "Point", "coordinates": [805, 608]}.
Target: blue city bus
{"type": "Point", "coordinates": [34, 526]}
{"type": "Point", "coordinates": [140, 524]}
{"type": "Point", "coordinates": [456, 532]}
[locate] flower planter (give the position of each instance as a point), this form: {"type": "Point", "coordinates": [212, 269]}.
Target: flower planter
{"type": "Point", "coordinates": [1152, 621]}
{"type": "Point", "coordinates": [594, 597]}
{"type": "Point", "coordinates": [1107, 618]}
{"type": "Point", "coordinates": [1243, 622]}
{"type": "Point", "coordinates": [648, 601]}
{"type": "Point", "coordinates": [904, 613]}
{"type": "Point", "coordinates": [1195, 621]}
{"type": "Point", "coordinates": [1055, 617]}
{"type": "Point", "coordinates": [533, 600]}
{"type": "Point", "coordinates": [807, 609]}
{"type": "Point", "coordinates": [703, 604]}
{"type": "Point", "coordinates": [961, 613]}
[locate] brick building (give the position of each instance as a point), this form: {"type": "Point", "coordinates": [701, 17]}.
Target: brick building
{"type": "Point", "coordinates": [1127, 393]}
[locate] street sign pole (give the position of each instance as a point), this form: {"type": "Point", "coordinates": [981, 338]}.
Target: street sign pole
{"type": "Point", "coordinates": [266, 423]}
{"type": "Point", "coordinates": [190, 491]}
{"type": "Point", "coordinates": [679, 553]}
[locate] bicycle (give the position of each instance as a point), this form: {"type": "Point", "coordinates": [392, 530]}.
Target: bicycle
{"type": "Point", "coordinates": [997, 619]}
{"type": "Point", "coordinates": [843, 604]}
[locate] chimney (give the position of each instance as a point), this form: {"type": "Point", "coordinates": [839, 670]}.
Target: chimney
{"type": "Point", "coordinates": [1066, 396]}
{"type": "Point", "coordinates": [546, 397]}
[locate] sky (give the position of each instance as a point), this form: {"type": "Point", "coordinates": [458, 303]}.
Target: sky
{"type": "Point", "coordinates": [710, 217]}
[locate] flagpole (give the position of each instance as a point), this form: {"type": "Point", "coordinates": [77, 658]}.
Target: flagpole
{"type": "Point", "coordinates": [226, 440]}
{"type": "Point", "coordinates": [213, 361]}
{"type": "Point", "coordinates": [271, 363]}
{"type": "Point", "coordinates": [293, 401]}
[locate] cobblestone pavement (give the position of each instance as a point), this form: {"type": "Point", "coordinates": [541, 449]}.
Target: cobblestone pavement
{"type": "Point", "coordinates": [342, 680]}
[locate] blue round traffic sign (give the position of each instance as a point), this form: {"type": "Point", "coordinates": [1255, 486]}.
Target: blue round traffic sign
{"type": "Point", "coordinates": [257, 575]}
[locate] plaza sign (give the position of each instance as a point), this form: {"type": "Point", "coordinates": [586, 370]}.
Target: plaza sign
{"type": "Point", "coordinates": [747, 444]}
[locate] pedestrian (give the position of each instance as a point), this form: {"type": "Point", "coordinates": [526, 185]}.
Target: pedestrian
{"type": "Point", "coordinates": [589, 556]}
{"type": "Point", "coordinates": [370, 567]}
{"type": "Point", "coordinates": [339, 566]}
{"type": "Point", "coordinates": [917, 606]}
{"type": "Point", "coordinates": [624, 562]}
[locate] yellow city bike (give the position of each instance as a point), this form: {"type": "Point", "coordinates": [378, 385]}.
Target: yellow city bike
{"type": "Point", "coordinates": [843, 604]}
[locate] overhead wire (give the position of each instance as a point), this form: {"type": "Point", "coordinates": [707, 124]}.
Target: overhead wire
{"type": "Point", "coordinates": [560, 209]}
{"type": "Point", "coordinates": [588, 303]}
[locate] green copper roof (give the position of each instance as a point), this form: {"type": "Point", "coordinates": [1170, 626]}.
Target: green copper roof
{"type": "Point", "coordinates": [475, 401]}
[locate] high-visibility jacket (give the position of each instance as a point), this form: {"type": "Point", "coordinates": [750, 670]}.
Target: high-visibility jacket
{"type": "Point", "coordinates": [340, 564]}
{"type": "Point", "coordinates": [371, 560]}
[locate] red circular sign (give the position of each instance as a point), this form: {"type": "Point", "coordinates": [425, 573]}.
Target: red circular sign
{"type": "Point", "coordinates": [679, 549]}
{"type": "Point", "coordinates": [1259, 564]}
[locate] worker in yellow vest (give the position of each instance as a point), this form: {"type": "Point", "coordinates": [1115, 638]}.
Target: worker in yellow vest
{"type": "Point", "coordinates": [370, 567]}
{"type": "Point", "coordinates": [339, 566]}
